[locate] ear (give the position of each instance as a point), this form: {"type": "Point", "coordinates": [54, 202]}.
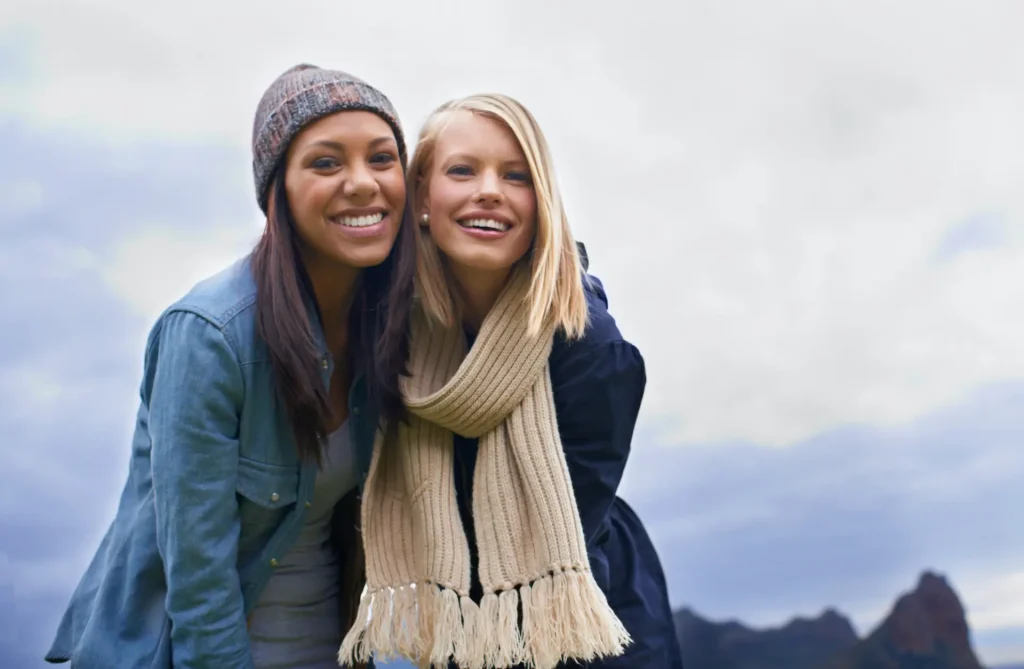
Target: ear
{"type": "Point", "coordinates": [422, 208]}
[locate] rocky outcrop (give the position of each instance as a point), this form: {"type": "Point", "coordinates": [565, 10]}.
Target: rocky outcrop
{"type": "Point", "coordinates": [803, 643]}
{"type": "Point", "coordinates": [926, 629]}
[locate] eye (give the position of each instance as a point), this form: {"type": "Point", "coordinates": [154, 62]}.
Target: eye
{"type": "Point", "coordinates": [325, 163]}
{"type": "Point", "coordinates": [523, 177]}
{"type": "Point", "coordinates": [460, 170]}
{"type": "Point", "coordinates": [383, 158]}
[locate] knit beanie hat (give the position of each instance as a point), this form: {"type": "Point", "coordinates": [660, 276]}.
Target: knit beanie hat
{"type": "Point", "coordinates": [300, 96]}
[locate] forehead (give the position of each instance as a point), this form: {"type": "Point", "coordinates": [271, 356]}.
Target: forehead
{"type": "Point", "coordinates": [479, 135]}
{"type": "Point", "coordinates": [352, 126]}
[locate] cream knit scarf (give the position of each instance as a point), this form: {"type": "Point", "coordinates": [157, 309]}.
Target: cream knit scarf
{"type": "Point", "coordinates": [541, 604]}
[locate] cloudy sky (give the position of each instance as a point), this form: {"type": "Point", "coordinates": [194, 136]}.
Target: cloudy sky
{"type": "Point", "coordinates": [809, 216]}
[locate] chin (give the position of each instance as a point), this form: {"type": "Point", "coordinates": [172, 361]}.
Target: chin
{"type": "Point", "coordinates": [484, 262]}
{"type": "Point", "coordinates": [364, 257]}
{"type": "Point", "coordinates": [363, 261]}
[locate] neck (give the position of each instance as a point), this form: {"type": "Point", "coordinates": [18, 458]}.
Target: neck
{"type": "Point", "coordinates": [334, 288]}
{"type": "Point", "coordinates": [477, 291]}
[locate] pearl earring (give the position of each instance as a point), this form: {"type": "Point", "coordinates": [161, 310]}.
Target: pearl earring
{"type": "Point", "coordinates": [425, 218]}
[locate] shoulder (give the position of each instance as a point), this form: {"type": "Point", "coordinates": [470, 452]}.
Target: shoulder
{"type": "Point", "coordinates": [221, 306]}
{"type": "Point", "coordinates": [601, 326]}
{"type": "Point", "coordinates": [226, 300]}
{"type": "Point", "coordinates": [222, 297]}
{"type": "Point", "coordinates": [598, 379]}
{"type": "Point", "coordinates": [601, 355]}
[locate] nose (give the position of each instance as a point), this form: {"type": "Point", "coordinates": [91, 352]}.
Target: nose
{"type": "Point", "coordinates": [489, 191]}
{"type": "Point", "coordinates": [360, 184]}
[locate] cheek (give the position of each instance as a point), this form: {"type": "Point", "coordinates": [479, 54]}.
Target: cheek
{"type": "Point", "coordinates": [392, 185]}
{"type": "Point", "coordinates": [308, 197]}
{"type": "Point", "coordinates": [443, 198]}
{"type": "Point", "coordinates": [298, 203]}
{"type": "Point", "coordinates": [438, 231]}
{"type": "Point", "coordinates": [526, 210]}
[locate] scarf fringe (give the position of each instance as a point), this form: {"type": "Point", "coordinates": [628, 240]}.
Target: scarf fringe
{"type": "Point", "coordinates": [565, 616]}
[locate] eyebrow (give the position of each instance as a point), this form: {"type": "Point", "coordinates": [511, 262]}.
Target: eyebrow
{"type": "Point", "coordinates": [338, 146]}
{"type": "Point", "coordinates": [465, 157]}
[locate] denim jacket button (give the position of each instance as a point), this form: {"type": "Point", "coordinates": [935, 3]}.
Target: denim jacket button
{"type": "Point", "coordinates": [309, 504]}
{"type": "Point", "coordinates": [274, 497]}
{"type": "Point", "coordinates": [273, 562]}
{"type": "Point", "coordinates": [356, 411]}
{"type": "Point", "coordinates": [323, 362]}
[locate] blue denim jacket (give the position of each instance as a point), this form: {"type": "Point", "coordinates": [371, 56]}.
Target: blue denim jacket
{"type": "Point", "coordinates": [215, 494]}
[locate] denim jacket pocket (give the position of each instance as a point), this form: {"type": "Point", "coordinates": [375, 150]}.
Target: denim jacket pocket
{"type": "Point", "coordinates": [266, 493]}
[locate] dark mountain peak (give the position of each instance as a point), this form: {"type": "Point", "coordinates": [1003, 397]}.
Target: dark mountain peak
{"type": "Point", "coordinates": [926, 627]}
{"type": "Point", "coordinates": [689, 616]}
{"type": "Point", "coordinates": [802, 643]}
{"type": "Point", "coordinates": [931, 581]}
{"type": "Point", "coordinates": [930, 620]}
{"type": "Point", "coordinates": [829, 624]}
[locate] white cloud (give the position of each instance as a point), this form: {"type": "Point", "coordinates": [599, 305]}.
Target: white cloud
{"type": "Point", "coordinates": [996, 600]}
{"type": "Point", "coordinates": [19, 198]}
{"type": "Point", "coordinates": [762, 186]}
{"type": "Point", "coordinates": [31, 385]}
{"type": "Point", "coordinates": [1004, 652]}
{"type": "Point", "coordinates": [157, 265]}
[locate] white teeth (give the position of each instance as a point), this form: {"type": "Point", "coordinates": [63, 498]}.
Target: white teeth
{"type": "Point", "coordinates": [486, 224]}
{"type": "Point", "coordinates": [360, 221]}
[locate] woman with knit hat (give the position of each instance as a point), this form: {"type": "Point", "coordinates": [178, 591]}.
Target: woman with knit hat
{"type": "Point", "coordinates": [234, 545]}
{"type": "Point", "coordinates": [491, 526]}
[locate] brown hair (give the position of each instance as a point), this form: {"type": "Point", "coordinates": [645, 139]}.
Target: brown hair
{"type": "Point", "coordinates": [378, 323]}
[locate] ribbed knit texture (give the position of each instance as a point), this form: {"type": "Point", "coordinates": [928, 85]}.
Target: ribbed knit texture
{"type": "Point", "coordinates": [532, 554]}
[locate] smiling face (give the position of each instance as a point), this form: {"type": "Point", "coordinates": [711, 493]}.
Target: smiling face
{"type": "Point", "coordinates": [479, 196]}
{"type": "Point", "coordinates": [346, 189]}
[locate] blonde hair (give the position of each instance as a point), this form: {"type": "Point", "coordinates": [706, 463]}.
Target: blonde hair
{"type": "Point", "coordinates": [556, 279]}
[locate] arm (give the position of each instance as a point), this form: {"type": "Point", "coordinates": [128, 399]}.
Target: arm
{"type": "Point", "coordinates": [598, 389]}
{"type": "Point", "coordinates": [195, 393]}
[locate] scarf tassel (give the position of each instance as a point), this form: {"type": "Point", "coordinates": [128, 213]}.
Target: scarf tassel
{"type": "Point", "coordinates": [354, 648]}
{"type": "Point", "coordinates": [564, 616]}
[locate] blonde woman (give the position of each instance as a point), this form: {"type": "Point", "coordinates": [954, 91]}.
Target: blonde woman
{"type": "Point", "coordinates": [492, 529]}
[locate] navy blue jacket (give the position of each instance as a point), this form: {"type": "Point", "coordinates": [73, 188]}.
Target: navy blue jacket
{"type": "Point", "coordinates": [599, 383]}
